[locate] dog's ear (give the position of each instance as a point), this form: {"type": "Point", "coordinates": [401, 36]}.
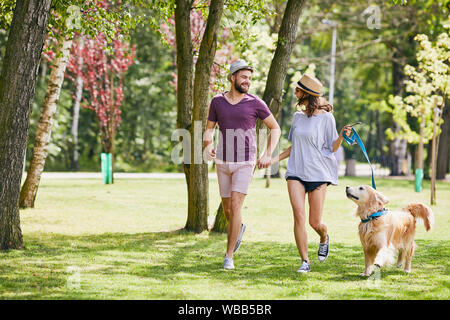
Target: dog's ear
{"type": "Point", "coordinates": [381, 198]}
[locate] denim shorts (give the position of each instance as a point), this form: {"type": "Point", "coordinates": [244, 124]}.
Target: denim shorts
{"type": "Point", "coordinates": [309, 185]}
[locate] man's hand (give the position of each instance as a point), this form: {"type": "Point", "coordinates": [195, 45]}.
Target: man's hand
{"type": "Point", "coordinates": [208, 139]}
{"type": "Point", "coordinates": [264, 162]}
{"type": "Point", "coordinates": [210, 152]}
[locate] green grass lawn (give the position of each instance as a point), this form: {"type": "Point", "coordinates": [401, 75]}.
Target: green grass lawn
{"type": "Point", "coordinates": [85, 240]}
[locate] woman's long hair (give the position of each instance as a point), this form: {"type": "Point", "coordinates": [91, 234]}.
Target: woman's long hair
{"type": "Point", "coordinates": [313, 104]}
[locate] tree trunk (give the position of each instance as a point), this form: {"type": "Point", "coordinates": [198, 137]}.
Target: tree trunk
{"type": "Point", "coordinates": [112, 125]}
{"type": "Point", "coordinates": [419, 161]}
{"type": "Point", "coordinates": [197, 220]}
{"type": "Point", "coordinates": [17, 85]}
{"type": "Point", "coordinates": [75, 121]}
{"type": "Point", "coordinates": [380, 135]}
{"type": "Point", "coordinates": [221, 222]}
{"type": "Point", "coordinates": [278, 68]}
{"type": "Point", "coordinates": [443, 149]}
{"type": "Point", "coordinates": [397, 151]}
{"type": "Point", "coordinates": [76, 114]}
{"type": "Point", "coordinates": [185, 67]}
{"type": "Point", "coordinates": [433, 153]}
{"type": "Point", "coordinates": [350, 168]}
{"type": "Point", "coordinates": [280, 62]}
{"type": "Point", "coordinates": [44, 129]}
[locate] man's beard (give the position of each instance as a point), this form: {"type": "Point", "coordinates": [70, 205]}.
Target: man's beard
{"type": "Point", "coordinates": [240, 88]}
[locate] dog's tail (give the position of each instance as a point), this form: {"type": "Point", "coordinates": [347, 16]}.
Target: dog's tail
{"type": "Point", "coordinates": [422, 211]}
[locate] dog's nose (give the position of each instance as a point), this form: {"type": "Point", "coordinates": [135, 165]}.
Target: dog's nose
{"type": "Point", "coordinates": [346, 188]}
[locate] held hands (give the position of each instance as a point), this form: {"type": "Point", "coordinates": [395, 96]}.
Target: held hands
{"type": "Point", "coordinates": [264, 162]}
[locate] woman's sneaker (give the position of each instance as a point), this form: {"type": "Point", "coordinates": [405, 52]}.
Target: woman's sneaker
{"type": "Point", "coordinates": [324, 249]}
{"type": "Point", "coordinates": [304, 267]}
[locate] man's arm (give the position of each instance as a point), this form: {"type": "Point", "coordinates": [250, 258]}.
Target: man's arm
{"type": "Point", "coordinates": [272, 140]}
{"type": "Point", "coordinates": [208, 138]}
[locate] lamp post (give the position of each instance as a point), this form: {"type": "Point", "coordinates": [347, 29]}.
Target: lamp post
{"type": "Point", "coordinates": [333, 57]}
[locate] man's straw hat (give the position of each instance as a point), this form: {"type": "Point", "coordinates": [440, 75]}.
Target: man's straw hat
{"type": "Point", "coordinates": [238, 65]}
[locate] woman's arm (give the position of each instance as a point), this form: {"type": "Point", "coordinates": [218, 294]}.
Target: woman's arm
{"type": "Point", "coordinates": [337, 143]}
{"type": "Point", "coordinates": [285, 154]}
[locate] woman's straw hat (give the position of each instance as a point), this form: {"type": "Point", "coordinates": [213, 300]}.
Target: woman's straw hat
{"type": "Point", "coordinates": [310, 85]}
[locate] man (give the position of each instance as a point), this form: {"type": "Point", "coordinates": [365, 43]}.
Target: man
{"type": "Point", "coordinates": [236, 111]}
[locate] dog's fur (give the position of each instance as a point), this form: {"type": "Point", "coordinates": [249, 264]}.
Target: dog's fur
{"type": "Point", "coordinates": [383, 236]}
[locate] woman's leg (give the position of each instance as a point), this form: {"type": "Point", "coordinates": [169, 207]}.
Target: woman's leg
{"type": "Point", "coordinates": [316, 201]}
{"type": "Point", "coordinates": [297, 196]}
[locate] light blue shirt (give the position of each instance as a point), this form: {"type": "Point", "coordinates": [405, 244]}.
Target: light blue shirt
{"type": "Point", "coordinates": [312, 157]}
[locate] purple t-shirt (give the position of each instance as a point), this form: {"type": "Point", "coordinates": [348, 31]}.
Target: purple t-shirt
{"type": "Point", "coordinates": [237, 126]}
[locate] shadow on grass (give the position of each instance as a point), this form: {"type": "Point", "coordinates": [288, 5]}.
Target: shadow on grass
{"type": "Point", "coordinates": [41, 270]}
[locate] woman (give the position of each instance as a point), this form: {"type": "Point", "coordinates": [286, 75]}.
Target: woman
{"type": "Point", "coordinates": [312, 165]}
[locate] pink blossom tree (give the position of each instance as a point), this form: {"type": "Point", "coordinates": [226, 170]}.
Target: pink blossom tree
{"type": "Point", "coordinates": [102, 70]}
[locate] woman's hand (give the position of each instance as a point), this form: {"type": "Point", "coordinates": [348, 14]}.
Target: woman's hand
{"type": "Point", "coordinates": [347, 130]}
{"type": "Point", "coordinates": [337, 143]}
{"type": "Point", "coordinates": [264, 162]}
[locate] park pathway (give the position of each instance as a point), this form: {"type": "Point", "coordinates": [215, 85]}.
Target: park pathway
{"type": "Point", "coordinates": [362, 170]}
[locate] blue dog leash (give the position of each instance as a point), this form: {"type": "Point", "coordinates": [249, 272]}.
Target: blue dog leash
{"type": "Point", "coordinates": [351, 140]}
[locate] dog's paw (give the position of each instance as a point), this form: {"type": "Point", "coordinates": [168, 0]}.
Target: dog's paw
{"type": "Point", "coordinates": [399, 265]}
{"type": "Point", "coordinates": [364, 274]}
{"type": "Point", "coordinates": [407, 270]}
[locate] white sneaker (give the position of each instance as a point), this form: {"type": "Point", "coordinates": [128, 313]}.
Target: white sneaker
{"type": "Point", "coordinates": [304, 267]}
{"type": "Point", "coordinates": [228, 263]}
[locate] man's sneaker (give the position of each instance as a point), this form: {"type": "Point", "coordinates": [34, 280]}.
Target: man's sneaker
{"type": "Point", "coordinates": [228, 263]}
{"type": "Point", "coordinates": [304, 267]}
{"type": "Point", "coordinates": [239, 239]}
{"type": "Point", "coordinates": [324, 249]}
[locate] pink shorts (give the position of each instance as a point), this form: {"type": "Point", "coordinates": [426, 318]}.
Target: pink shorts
{"type": "Point", "coordinates": [234, 176]}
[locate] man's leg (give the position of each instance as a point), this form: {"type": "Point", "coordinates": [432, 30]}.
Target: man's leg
{"type": "Point", "coordinates": [235, 221]}
{"type": "Point", "coordinates": [226, 205]}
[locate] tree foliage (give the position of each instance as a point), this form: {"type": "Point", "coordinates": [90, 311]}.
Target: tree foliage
{"type": "Point", "coordinates": [427, 86]}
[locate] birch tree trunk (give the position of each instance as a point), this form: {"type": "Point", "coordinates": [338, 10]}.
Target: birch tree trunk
{"type": "Point", "coordinates": [197, 220]}
{"type": "Point", "coordinates": [76, 115]}
{"type": "Point", "coordinates": [17, 85]}
{"type": "Point", "coordinates": [44, 129]}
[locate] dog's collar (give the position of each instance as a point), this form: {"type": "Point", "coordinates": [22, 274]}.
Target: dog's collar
{"type": "Point", "coordinates": [375, 215]}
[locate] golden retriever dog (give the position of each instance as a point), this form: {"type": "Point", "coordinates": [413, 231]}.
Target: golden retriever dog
{"type": "Point", "coordinates": [391, 232]}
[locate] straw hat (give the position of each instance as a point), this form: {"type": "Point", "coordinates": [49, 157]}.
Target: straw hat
{"type": "Point", "coordinates": [310, 85]}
